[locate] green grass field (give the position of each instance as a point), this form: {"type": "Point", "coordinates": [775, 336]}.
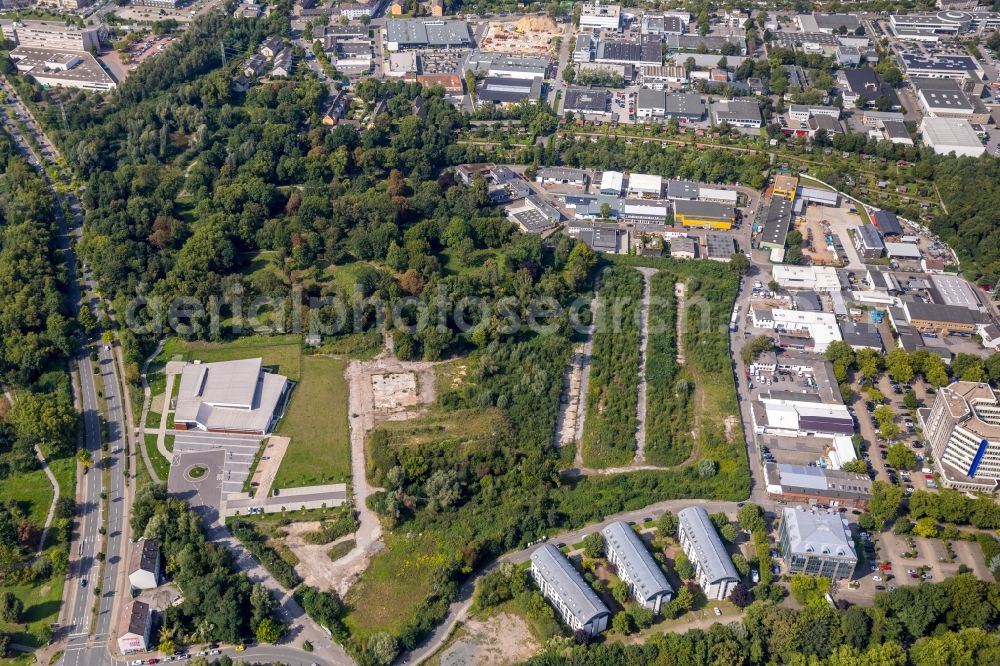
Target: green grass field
{"type": "Point", "coordinates": [41, 608]}
{"type": "Point", "coordinates": [284, 353]}
{"type": "Point", "coordinates": [160, 464]}
{"type": "Point", "coordinates": [395, 583]}
{"type": "Point", "coordinates": [316, 421]}
{"type": "Point", "coordinates": [32, 492]}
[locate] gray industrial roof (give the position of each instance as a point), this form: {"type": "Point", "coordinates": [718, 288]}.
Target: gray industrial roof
{"type": "Point", "coordinates": [869, 236]}
{"type": "Point", "coordinates": [633, 557]}
{"type": "Point", "coordinates": [779, 216]}
{"type": "Point", "coordinates": [822, 533]}
{"type": "Point", "coordinates": [887, 222]}
{"type": "Point", "coordinates": [685, 105]}
{"type": "Point", "coordinates": [834, 483]}
{"type": "Point", "coordinates": [953, 290]}
{"type": "Point", "coordinates": [574, 592]}
{"type": "Point", "coordinates": [428, 32]}
{"type": "Point", "coordinates": [943, 314]}
{"type": "Point", "coordinates": [704, 209]}
{"type": "Point", "coordinates": [737, 109]}
{"type": "Point", "coordinates": [682, 189]}
{"type": "Point", "coordinates": [942, 95]}
{"type": "Point", "coordinates": [648, 51]}
{"type": "Point", "coordinates": [860, 335]}
{"type": "Point", "coordinates": [718, 246]}
{"type": "Point", "coordinates": [229, 395]}
{"type": "Point", "coordinates": [679, 244]}
{"type": "Point", "coordinates": [949, 63]}
{"type": "Point", "coordinates": [713, 560]}
{"type": "Point", "coordinates": [584, 99]}
{"type": "Point", "coordinates": [501, 90]}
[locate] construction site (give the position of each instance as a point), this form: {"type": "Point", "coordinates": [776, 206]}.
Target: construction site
{"type": "Point", "coordinates": [530, 36]}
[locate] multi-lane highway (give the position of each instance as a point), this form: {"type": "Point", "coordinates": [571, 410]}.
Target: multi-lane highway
{"type": "Point", "coordinates": [102, 492]}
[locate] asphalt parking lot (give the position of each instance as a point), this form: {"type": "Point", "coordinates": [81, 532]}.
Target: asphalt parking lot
{"type": "Point", "coordinates": [239, 453]}
{"type": "Point", "coordinates": [204, 493]}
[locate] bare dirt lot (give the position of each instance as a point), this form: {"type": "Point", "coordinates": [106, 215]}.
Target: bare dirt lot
{"type": "Point", "coordinates": [815, 247]}
{"type": "Point", "coordinates": [496, 641]}
{"type": "Point", "coordinates": [394, 391]}
{"type": "Point", "coordinates": [531, 36]}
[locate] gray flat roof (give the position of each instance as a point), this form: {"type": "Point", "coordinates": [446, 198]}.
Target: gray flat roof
{"type": "Point", "coordinates": [713, 560]}
{"type": "Point", "coordinates": [229, 395]}
{"type": "Point", "coordinates": [585, 99]}
{"type": "Point", "coordinates": [567, 582]}
{"type": "Point", "coordinates": [953, 290]}
{"type": "Point", "coordinates": [887, 222]}
{"type": "Point", "coordinates": [940, 313]}
{"type": "Point", "coordinates": [682, 189]}
{"type": "Point", "coordinates": [704, 209]}
{"type": "Point", "coordinates": [428, 32]}
{"type": "Point", "coordinates": [822, 481]}
{"type": "Point", "coordinates": [779, 216]}
{"type": "Point", "coordinates": [32, 60]}
{"type": "Point", "coordinates": [860, 335]}
{"type": "Point", "coordinates": [869, 236]}
{"type": "Point", "coordinates": [945, 63]}
{"type": "Point", "coordinates": [737, 109]}
{"type": "Point", "coordinates": [718, 246]}
{"type": "Point", "coordinates": [635, 558]}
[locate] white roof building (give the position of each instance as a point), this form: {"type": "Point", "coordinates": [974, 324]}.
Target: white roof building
{"type": "Point", "coordinates": [813, 278]}
{"type": "Point", "coordinates": [717, 195]}
{"type": "Point", "coordinates": [820, 326]}
{"type": "Point", "coordinates": [951, 135]}
{"type": "Point", "coordinates": [841, 452]}
{"type": "Point", "coordinates": [230, 396]}
{"type": "Point", "coordinates": [612, 182]}
{"type": "Point", "coordinates": [645, 184]}
{"type": "Point", "coordinates": [902, 250]}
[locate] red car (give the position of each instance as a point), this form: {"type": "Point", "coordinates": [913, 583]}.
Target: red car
{"type": "Point", "coordinates": [928, 476]}
{"type": "Point", "coordinates": [886, 567]}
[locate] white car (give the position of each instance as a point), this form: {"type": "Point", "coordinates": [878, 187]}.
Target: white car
{"type": "Point", "coordinates": [877, 579]}
{"type": "Point", "coordinates": [718, 612]}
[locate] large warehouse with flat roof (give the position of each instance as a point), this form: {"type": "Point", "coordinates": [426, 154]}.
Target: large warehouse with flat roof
{"type": "Point", "coordinates": [229, 396]}
{"type": "Point", "coordinates": [426, 33]}
{"type": "Point", "coordinates": [951, 135]}
{"type": "Point", "coordinates": [707, 214]}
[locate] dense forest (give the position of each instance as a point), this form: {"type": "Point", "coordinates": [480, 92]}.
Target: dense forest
{"type": "Point", "coordinates": [35, 340]}
{"type": "Point", "coordinates": [218, 604]}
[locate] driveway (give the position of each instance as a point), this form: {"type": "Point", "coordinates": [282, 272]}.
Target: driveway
{"type": "Point", "coordinates": [203, 493]}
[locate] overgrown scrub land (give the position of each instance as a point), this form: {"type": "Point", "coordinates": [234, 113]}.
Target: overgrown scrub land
{"type": "Point", "coordinates": [612, 397]}
{"type": "Point", "coordinates": [35, 340]}
{"type": "Point", "coordinates": [711, 290]}
{"type": "Point", "coordinates": [669, 388]}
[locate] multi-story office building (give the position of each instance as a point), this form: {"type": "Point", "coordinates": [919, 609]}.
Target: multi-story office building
{"type": "Point", "coordinates": [714, 569]}
{"type": "Point", "coordinates": [577, 604]}
{"type": "Point", "coordinates": [53, 35]}
{"type": "Point", "coordinates": [963, 429]}
{"type": "Point", "coordinates": [817, 543]}
{"type": "Point", "coordinates": [635, 566]}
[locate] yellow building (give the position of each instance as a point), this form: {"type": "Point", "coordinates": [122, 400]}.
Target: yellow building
{"type": "Point", "coordinates": [437, 7]}
{"type": "Point", "coordinates": [705, 214]}
{"type": "Point", "coordinates": [396, 8]}
{"type": "Point", "coordinates": [785, 186]}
